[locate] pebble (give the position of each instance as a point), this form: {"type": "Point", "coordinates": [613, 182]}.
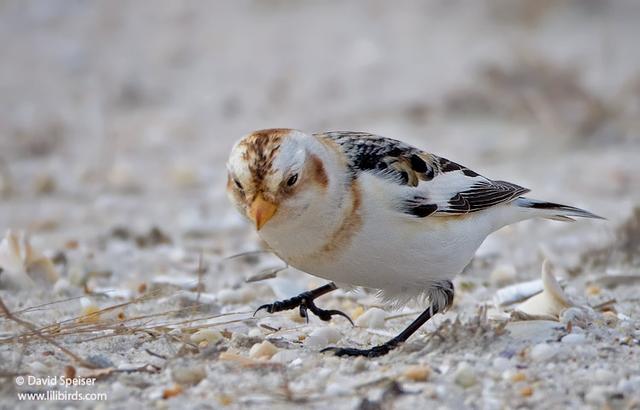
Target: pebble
{"type": "Point", "coordinates": [465, 375]}
{"type": "Point", "coordinates": [357, 312]}
{"type": "Point", "coordinates": [577, 316]}
{"type": "Point", "coordinates": [604, 375]}
{"type": "Point", "coordinates": [44, 184]}
{"type": "Point", "coordinates": [574, 338]}
{"type": "Point", "coordinates": [122, 178]}
{"type": "Point", "coordinates": [373, 318]}
{"type": "Point", "coordinates": [542, 352]}
{"type": "Point", "coordinates": [255, 332]}
{"type": "Point", "coordinates": [188, 375]}
{"type": "Point", "coordinates": [172, 391]}
{"type": "Point", "coordinates": [264, 350]}
{"type": "Point", "coordinates": [100, 361]}
{"type": "Point", "coordinates": [294, 316]}
{"type": "Point", "coordinates": [211, 336]}
{"type": "Point", "coordinates": [501, 363]}
{"type": "Point", "coordinates": [597, 395]}
{"type": "Point", "coordinates": [417, 373]}
{"type": "Point", "coordinates": [526, 391]}
{"type": "Point", "coordinates": [285, 356]}
{"type": "Point", "coordinates": [337, 389]}
{"type": "Point", "coordinates": [62, 286]}
{"type": "Point", "coordinates": [323, 336]}
{"type": "Point", "coordinates": [503, 275]}
{"type": "Point", "coordinates": [610, 319]}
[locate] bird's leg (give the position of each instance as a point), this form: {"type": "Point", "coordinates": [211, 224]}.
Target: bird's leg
{"type": "Point", "coordinates": [442, 298]}
{"type": "Point", "coordinates": [304, 301]}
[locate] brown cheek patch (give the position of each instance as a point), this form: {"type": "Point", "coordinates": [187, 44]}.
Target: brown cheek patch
{"type": "Point", "coordinates": [318, 172]}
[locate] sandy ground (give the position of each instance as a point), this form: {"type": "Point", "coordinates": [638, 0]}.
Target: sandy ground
{"type": "Point", "coordinates": [116, 121]}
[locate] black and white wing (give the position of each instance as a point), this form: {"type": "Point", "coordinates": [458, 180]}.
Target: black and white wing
{"type": "Point", "coordinates": [435, 185]}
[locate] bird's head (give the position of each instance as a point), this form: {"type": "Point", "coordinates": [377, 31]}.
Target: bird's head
{"type": "Point", "coordinates": [274, 176]}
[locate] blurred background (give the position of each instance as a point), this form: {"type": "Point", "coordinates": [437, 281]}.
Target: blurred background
{"type": "Point", "coordinates": [123, 112]}
{"type": "Point", "coordinates": [116, 119]}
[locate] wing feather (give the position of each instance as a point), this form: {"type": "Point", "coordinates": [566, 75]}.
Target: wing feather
{"type": "Point", "coordinates": [432, 185]}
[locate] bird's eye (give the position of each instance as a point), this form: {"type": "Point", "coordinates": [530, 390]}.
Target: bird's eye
{"type": "Point", "coordinates": [238, 184]}
{"type": "Point", "coordinates": [292, 180]}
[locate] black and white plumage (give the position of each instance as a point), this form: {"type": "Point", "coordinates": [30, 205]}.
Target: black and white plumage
{"type": "Point", "coordinates": [364, 210]}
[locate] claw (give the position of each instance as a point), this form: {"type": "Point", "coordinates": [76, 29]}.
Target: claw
{"type": "Point", "coordinates": [265, 306]}
{"type": "Point", "coordinates": [303, 312]}
{"type": "Point", "coordinates": [339, 313]}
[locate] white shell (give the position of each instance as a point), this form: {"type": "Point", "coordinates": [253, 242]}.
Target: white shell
{"type": "Point", "coordinates": [22, 265]}
{"type": "Point", "coordinates": [373, 318]}
{"type": "Point", "coordinates": [517, 292]}
{"type": "Point", "coordinates": [323, 336]}
{"type": "Point", "coordinates": [551, 302]}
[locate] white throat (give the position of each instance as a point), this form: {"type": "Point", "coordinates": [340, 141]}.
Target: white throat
{"type": "Point", "coordinates": [309, 232]}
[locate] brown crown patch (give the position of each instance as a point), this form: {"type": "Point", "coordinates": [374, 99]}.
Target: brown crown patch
{"type": "Point", "coordinates": [261, 148]}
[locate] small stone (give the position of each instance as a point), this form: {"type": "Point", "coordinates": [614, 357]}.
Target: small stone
{"type": "Point", "coordinates": [597, 395]}
{"type": "Point", "coordinates": [172, 391]}
{"type": "Point", "coordinates": [90, 312]}
{"type": "Point", "coordinates": [285, 356]}
{"type": "Point", "coordinates": [357, 312]}
{"type": "Point", "coordinates": [188, 375]}
{"type": "Point", "coordinates": [121, 178]}
{"type": "Point", "coordinates": [465, 375]}
{"type": "Point", "coordinates": [360, 364]}
{"type": "Point", "coordinates": [264, 350]}
{"type": "Point", "coordinates": [225, 399]}
{"type": "Point", "coordinates": [604, 376]}
{"type": "Point", "coordinates": [211, 336]}
{"type": "Point", "coordinates": [593, 290]}
{"type": "Point", "coordinates": [244, 341]}
{"type": "Point", "coordinates": [62, 286]}
{"type": "Point", "coordinates": [373, 318]}
{"type": "Point", "coordinates": [526, 391]}
{"type": "Point", "coordinates": [501, 363]}
{"type": "Point", "coordinates": [337, 389]}
{"type": "Point", "coordinates": [576, 316]}
{"type": "Point", "coordinates": [542, 352]}
{"type": "Point", "coordinates": [417, 373]}
{"type": "Point", "coordinates": [574, 338]}
{"type": "Point", "coordinates": [610, 318]}
{"type": "Point", "coordinates": [294, 316]}
{"type": "Point", "coordinates": [99, 361]}
{"type": "Point", "coordinates": [323, 336]}
{"type": "Point", "coordinates": [69, 372]}
{"type": "Point", "coordinates": [44, 184]}
{"type": "Point", "coordinates": [255, 332]}
{"type": "Point", "coordinates": [503, 275]}
{"type": "Point", "coordinates": [518, 377]}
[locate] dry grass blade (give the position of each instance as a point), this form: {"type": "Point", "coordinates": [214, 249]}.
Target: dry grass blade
{"type": "Point", "coordinates": [31, 327]}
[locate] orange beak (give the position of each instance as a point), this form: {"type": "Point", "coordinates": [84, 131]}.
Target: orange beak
{"type": "Point", "coordinates": [261, 211]}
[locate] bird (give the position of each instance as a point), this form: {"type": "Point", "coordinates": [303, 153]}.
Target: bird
{"type": "Point", "coordinates": [363, 210]}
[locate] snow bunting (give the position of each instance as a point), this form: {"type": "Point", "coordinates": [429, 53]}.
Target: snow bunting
{"type": "Point", "coordinates": [363, 210]}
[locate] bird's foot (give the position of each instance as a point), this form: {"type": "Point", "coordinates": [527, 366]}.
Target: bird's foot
{"type": "Point", "coordinates": [375, 351]}
{"type": "Point", "coordinates": [304, 302]}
